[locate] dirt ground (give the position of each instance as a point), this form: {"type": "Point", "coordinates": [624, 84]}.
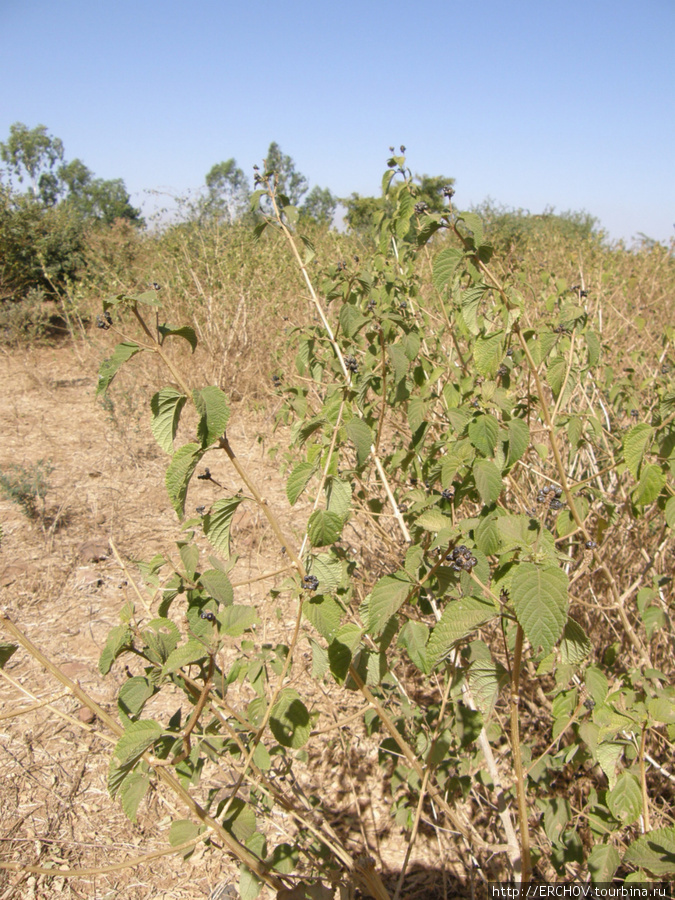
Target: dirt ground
{"type": "Point", "coordinates": [63, 588]}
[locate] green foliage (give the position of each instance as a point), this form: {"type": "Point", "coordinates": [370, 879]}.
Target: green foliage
{"type": "Point", "coordinates": [482, 450]}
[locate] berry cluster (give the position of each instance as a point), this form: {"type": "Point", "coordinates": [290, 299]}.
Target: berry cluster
{"type": "Point", "coordinates": [206, 614]}
{"type": "Point", "coordinates": [310, 582]}
{"type": "Point", "coordinates": [403, 305]}
{"type": "Point", "coordinates": [552, 495]}
{"type": "Point", "coordinates": [461, 558]}
{"type": "Point", "coordinates": [503, 370]}
{"type": "Point", "coordinates": [154, 286]}
{"type": "Point", "coordinates": [509, 352]}
{"type": "Point", "coordinates": [342, 267]}
{"type": "Point", "coordinates": [448, 191]}
{"type": "Point", "coordinates": [371, 305]}
{"type": "Point", "coordinates": [560, 329]}
{"type": "Point", "coordinates": [448, 493]}
{"type": "Point", "coordinates": [351, 364]}
{"type": "Point", "coordinates": [104, 321]}
{"type": "Point", "coordinates": [276, 381]}
{"type": "Point", "coordinates": [421, 207]}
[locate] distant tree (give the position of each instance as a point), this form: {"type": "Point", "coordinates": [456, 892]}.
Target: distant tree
{"type": "Point", "coordinates": [100, 199]}
{"type": "Point", "coordinates": [228, 191]}
{"type": "Point", "coordinates": [291, 183]}
{"type": "Point", "coordinates": [32, 153]}
{"type": "Point", "coordinates": [319, 205]}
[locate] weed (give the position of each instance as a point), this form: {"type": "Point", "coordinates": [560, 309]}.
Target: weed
{"type": "Point", "coordinates": [27, 486]}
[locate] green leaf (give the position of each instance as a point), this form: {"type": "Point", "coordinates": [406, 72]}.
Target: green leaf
{"type": "Point", "coordinates": [488, 353]}
{"type": "Point", "coordinates": [328, 571]}
{"type": "Point", "coordinates": [119, 638]}
{"type": "Point", "coordinates": [654, 851]}
{"type": "Point", "coordinates": [487, 535]}
{"type": "Point", "coordinates": [161, 635]}
{"type": "Point", "coordinates": [324, 613]}
{"type": "Point", "coordinates": [211, 404]}
{"type": "Point", "coordinates": [386, 598]}
{"type": "Point", "coordinates": [362, 438]}
{"type": "Point", "coordinates": [217, 585]}
{"type": "Point", "coordinates": [487, 679]}
{"type": "Point", "coordinates": [283, 859]}
{"type": "Point", "coordinates": [240, 820]}
{"type": "Point", "coordinates": [186, 332]}
{"type": "Point", "coordinates": [593, 344]}
{"type": "Point", "coordinates": [187, 653]}
{"type": "Point", "coordinates": [413, 637]}
{"type": "Point", "coordinates": [555, 373]}
{"type": "Point", "coordinates": [249, 884]}
{"type": "Point", "coordinates": [603, 861]}
{"type": "Point", "coordinates": [351, 320]}
{"type": "Point", "coordinates": [459, 619]}
{"type": "Point", "coordinates": [7, 650]}
{"type": "Point", "coordinates": [399, 361]}
{"type": "Point", "coordinates": [575, 645]}
{"type": "Point", "coordinates": [475, 225]}
{"type": "Point", "coordinates": [148, 298]}
{"type": "Point", "coordinates": [137, 738]}
{"type": "Point", "coordinates": [182, 831]}
{"type": "Point", "coordinates": [218, 521]}
{"type": "Point", "coordinates": [289, 720]}
{"type": "Point", "coordinates": [433, 520]}
{"type": "Point", "coordinates": [133, 695]}
{"type": "Point", "coordinates": [323, 528]}
{"type": "Point", "coordinates": [635, 443]}
{"type": "Point", "coordinates": [298, 480]}
{"type": "Point", "coordinates": [519, 440]}
{"type": "Point", "coordinates": [417, 413]}
{"type": "Point", "coordinates": [339, 498]}
{"type": "Point", "coordinates": [470, 302]}
{"type": "Point", "coordinates": [483, 432]}
{"type": "Point", "coordinates": [650, 485]}
{"type": "Point", "coordinates": [445, 264]}
{"type": "Point", "coordinates": [625, 799]}
{"type": "Point", "coordinates": [662, 710]}
{"type": "Point", "coordinates": [179, 473]}
{"type": "Point", "coordinates": [670, 513]}
{"type": "Point", "coordinates": [109, 367]}
{"type": "Point", "coordinates": [235, 620]}
{"type": "Point", "coordinates": [131, 792]}
{"type": "Point", "coordinates": [539, 596]}
{"type": "Point", "coordinates": [166, 406]}
{"type": "Point", "coordinates": [488, 480]}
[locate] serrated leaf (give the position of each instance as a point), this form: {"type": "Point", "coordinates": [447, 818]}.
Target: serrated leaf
{"type": "Point", "coordinates": [179, 473]}
{"type": "Point", "coordinates": [362, 438]}
{"type": "Point", "coordinates": [555, 373]}
{"type": "Point", "coordinates": [240, 820]}
{"type": "Point", "coordinates": [417, 413]}
{"type": "Point", "coordinates": [289, 720]}
{"type": "Point", "coordinates": [625, 799]}
{"type": "Point", "coordinates": [184, 655]}
{"type": "Point", "coordinates": [487, 679]}
{"type": "Point", "coordinates": [662, 709]}
{"type": "Point", "coordinates": [539, 596]}
{"type": "Point", "coordinates": [433, 520]}
{"type": "Point", "coordinates": [6, 652]}
{"type": "Point", "coordinates": [235, 620]}
{"type": "Point", "coordinates": [131, 792]}
{"type": "Point", "coordinates": [483, 433]}
{"type": "Point", "coordinates": [119, 638]}
{"type": "Point", "coordinates": [137, 738]}
{"type": "Point", "coordinates": [386, 598]}
{"type": "Point", "coordinates": [488, 353]}
{"type": "Point", "coordinates": [328, 571]}
{"type": "Point", "coordinates": [161, 635]}
{"type": "Point", "coordinates": [186, 332]}
{"type": "Point", "coordinates": [166, 406]}
{"type": "Point", "coordinates": [399, 361]}
{"type": "Point", "coordinates": [475, 225]}
{"type": "Point", "coordinates": [148, 298]}
{"type": "Point", "coordinates": [413, 637]}
{"type": "Point", "coordinates": [470, 302]}
{"type": "Point", "coordinates": [593, 344]}
{"type": "Point", "coordinates": [459, 619]}
{"type": "Point", "coordinates": [488, 480]}
{"type": "Point", "coordinates": [298, 480]}
{"type": "Point", "coordinates": [575, 645]}
{"type": "Point", "coordinates": [249, 884]}
{"type": "Point", "coordinates": [218, 586]}
{"type": "Point", "coordinates": [603, 861]}
{"type": "Point", "coordinates": [519, 440]}
{"type": "Point", "coordinates": [351, 320]}
{"type": "Point", "coordinates": [654, 851]}
{"type": "Point", "coordinates": [217, 524]}
{"type": "Point", "coordinates": [670, 512]}
{"type": "Point", "coordinates": [182, 831]}
{"type": "Point", "coordinates": [445, 264]}
{"type": "Point", "coordinates": [110, 367]}
{"type": "Point", "coordinates": [650, 485]}
{"type": "Point", "coordinates": [211, 404]}
{"type": "Point", "coordinates": [487, 535]}
{"type": "Point", "coordinates": [133, 695]}
{"type": "Point", "coordinates": [339, 498]}
{"type": "Point", "coordinates": [608, 754]}
{"type": "Point", "coordinates": [324, 528]}
{"type": "Point", "coordinates": [411, 345]}
{"type": "Point", "coordinates": [635, 443]}
{"type": "Point", "coordinates": [324, 613]}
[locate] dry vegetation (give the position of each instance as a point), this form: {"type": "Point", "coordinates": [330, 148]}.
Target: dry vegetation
{"type": "Point", "coordinates": [65, 574]}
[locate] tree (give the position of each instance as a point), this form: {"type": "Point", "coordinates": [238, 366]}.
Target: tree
{"type": "Point", "coordinates": [291, 183]}
{"type": "Point", "coordinates": [100, 199]}
{"type": "Point", "coordinates": [320, 205]}
{"type": "Point", "coordinates": [34, 153]}
{"type": "Point", "coordinates": [364, 212]}
{"type": "Point", "coordinates": [228, 191]}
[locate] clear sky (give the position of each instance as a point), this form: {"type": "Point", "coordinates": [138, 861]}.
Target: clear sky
{"type": "Point", "coordinates": [532, 103]}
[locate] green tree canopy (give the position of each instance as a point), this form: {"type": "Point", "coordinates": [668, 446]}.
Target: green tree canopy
{"type": "Point", "coordinates": [228, 191]}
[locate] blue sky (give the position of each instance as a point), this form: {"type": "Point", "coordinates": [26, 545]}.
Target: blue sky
{"type": "Point", "coordinates": [532, 103]}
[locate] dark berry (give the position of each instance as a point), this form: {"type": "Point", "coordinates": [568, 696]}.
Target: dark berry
{"type": "Point", "coordinates": [591, 545]}
{"type": "Point", "coordinates": [556, 504]}
{"type": "Point", "coordinates": [208, 616]}
{"type": "Point", "coordinates": [589, 703]}
{"type": "Point", "coordinates": [351, 364]}
{"type": "Point", "coordinates": [403, 305]}
{"type": "Point", "coordinates": [310, 582]}
{"type": "Point", "coordinates": [502, 370]}
{"type": "Point", "coordinates": [634, 413]}
{"type": "Point", "coordinates": [421, 207]}
{"type": "Point", "coordinates": [200, 510]}
{"type": "Point", "coordinates": [448, 493]}
{"type": "Point", "coordinates": [448, 191]}
{"type": "Point", "coordinates": [509, 352]}
{"type": "Point", "coordinates": [154, 286]}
